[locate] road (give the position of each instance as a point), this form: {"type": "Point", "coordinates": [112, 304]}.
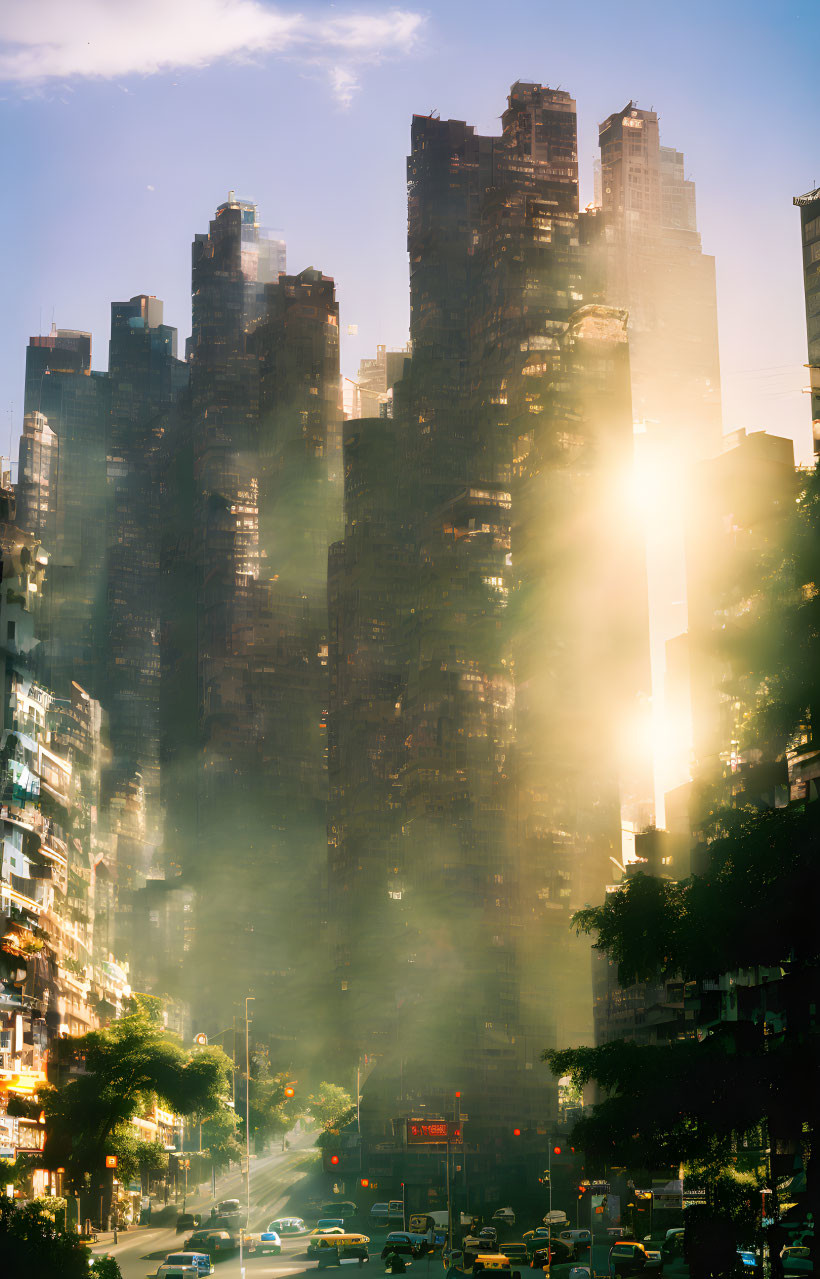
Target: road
{"type": "Point", "coordinates": [141, 1250]}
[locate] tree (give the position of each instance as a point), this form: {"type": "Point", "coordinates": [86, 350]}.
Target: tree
{"type": "Point", "coordinates": [754, 908]}
{"type": "Point", "coordinates": [123, 1070]}
{"type": "Point", "coordinates": [332, 1108]}
{"type": "Point", "coordinates": [32, 1244]}
{"type": "Point", "coordinates": [219, 1137]}
{"type": "Point", "coordinates": [273, 1112]}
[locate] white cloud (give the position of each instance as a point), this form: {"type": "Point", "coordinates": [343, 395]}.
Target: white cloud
{"type": "Point", "coordinates": [43, 40]}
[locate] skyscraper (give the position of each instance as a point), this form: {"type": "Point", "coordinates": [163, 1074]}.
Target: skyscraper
{"type": "Point", "coordinates": [809, 206]}
{"type": "Point", "coordinates": [215, 767]}
{"type": "Point", "coordinates": [146, 383]}
{"type": "Point", "coordinates": [455, 690]}
{"type": "Point", "coordinates": [657, 270]}
{"type": "Point", "coordinates": [76, 403]}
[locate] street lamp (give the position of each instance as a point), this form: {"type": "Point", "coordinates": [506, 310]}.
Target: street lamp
{"type": "Point", "coordinates": [248, 999]}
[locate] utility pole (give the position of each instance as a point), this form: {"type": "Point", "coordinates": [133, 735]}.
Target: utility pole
{"type": "Point", "coordinates": [248, 999]}
{"type": "Point", "coordinates": [449, 1203]}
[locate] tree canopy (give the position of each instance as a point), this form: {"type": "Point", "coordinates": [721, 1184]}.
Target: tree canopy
{"type": "Point", "coordinates": [118, 1073]}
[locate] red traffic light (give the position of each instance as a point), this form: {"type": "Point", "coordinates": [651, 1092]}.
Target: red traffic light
{"type": "Point", "coordinates": [556, 1150]}
{"type": "Point", "coordinates": [364, 1182]}
{"type": "Point", "coordinates": [334, 1159]}
{"type": "Point", "coordinates": [458, 1094]}
{"type": "Point", "coordinates": [290, 1091]}
{"type": "Point", "coordinates": [516, 1132]}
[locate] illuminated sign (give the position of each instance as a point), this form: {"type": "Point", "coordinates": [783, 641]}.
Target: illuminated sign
{"type": "Point", "coordinates": [110, 1161]}
{"type": "Point", "coordinates": [427, 1132]}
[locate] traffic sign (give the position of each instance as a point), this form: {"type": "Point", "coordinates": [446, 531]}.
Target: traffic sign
{"type": "Point", "coordinates": [201, 1040]}
{"type": "Point", "coordinates": [110, 1161]}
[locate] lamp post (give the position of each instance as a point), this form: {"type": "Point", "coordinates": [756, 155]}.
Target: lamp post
{"type": "Point", "coordinates": [248, 999]}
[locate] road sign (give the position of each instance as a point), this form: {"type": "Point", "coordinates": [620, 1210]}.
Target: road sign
{"type": "Point", "coordinates": [433, 1132]}
{"type": "Point", "coordinates": [201, 1040]}
{"type": "Point", "coordinates": [110, 1161]}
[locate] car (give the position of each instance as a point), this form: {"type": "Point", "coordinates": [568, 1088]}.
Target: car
{"type": "Point", "coordinates": [504, 1214]}
{"type": "Point", "coordinates": [321, 1245]}
{"type": "Point", "coordinates": [199, 1260]}
{"type": "Point", "coordinates": [188, 1221]}
{"type": "Point", "coordinates": [654, 1255]}
{"type": "Point", "coordinates": [517, 1252]}
{"type": "Point", "coordinates": [575, 1236]}
{"type": "Point", "coordinates": [404, 1244]}
{"type": "Point", "coordinates": [266, 1243]}
{"type": "Point", "coordinates": [796, 1260]}
{"type": "Point", "coordinates": [342, 1254]}
{"type": "Point", "coordinates": [748, 1260]}
{"type": "Point", "coordinates": [177, 1272]}
{"type": "Point", "coordinates": [317, 1235]}
{"type": "Point", "coordinates": [215, 1242]}
{"type": "Point", "coordinates": [288, 1226]}
{"type": "Point", "coordinates": [326, 1223]}
{"type": "Point", "coordinates": [229, 1205]}
{"type": "Point", "coordinates": [230, 1221]}
{"type": "Point", "coordinates": [488, 1234]}
{"type": "Point", "coordinates": [627, 1257]}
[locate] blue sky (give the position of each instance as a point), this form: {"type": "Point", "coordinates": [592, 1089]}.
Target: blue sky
{"type": "Point", "coordinates": [125, 124]}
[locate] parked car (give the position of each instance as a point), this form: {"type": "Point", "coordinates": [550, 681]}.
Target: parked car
{"type": "Point", "coordinates": [199, 1260]}
{"type": "Point", "coordinates": [177, 1272]}
{"type": "Point", "coordinates": [188, 1221]}
{"type": "Point", "coordinates": [504, 1214]}
{"type": "Point", "coordinates": [288, 1226]}
{"type": "Point", "coordinates": [215, 1242]}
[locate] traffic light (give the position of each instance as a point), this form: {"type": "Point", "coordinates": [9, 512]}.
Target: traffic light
{"type": "Point", "coordinates": [556, 1150]}
{"type": "Point", "coordinates": [458, 1094]}
{"type": "Point", "coordinates": [334, 1159]}
{"type": "Point", "coordinates": [290, 1091]}
{"type": "Point", "coordinates": [364, 1182]}
{"type": "Point", "coordinates": [516, 1132]}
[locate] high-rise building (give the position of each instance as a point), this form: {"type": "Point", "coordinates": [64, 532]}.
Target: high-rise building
{"type": "Point", "coordinates": [76, 403]}
{"type": "Point", "coordinates": [371, 393]}
{"type": "Point", "coordinates": [146, 383]}
{"type": "Point", "coordinates": [36, 486]}
{"type": "Point", "coordinates": [211, 595]}
{"type": "Point", "coordinates": [809, 206]}
{"type": "Point", "coordinates": [657, 270]}
{"type": "Point", "coordinates": [453, 690]}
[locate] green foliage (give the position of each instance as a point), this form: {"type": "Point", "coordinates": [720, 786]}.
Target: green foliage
{"type": "Point", "coordinates": [219, 1137]}
{"type": "Point", "coordinates": [778, 659]}
{"type": "Point", "coordinates": [133, 1154]}
{"type": "Point", "coordinates": [755, 906]}
{"type": "Point", "coordinates": [126, 1068]}
{"type": "Point", "coordinates": [272, 1112]}
{"type": "Point", "coordinates": [16, 1172]}
{"type": "Point", "coordinates": [31, 1244]}
{"type": "Point", "coordinates": [331, 1107]}
{"type": "Point", "coordinates": [105, 1268]}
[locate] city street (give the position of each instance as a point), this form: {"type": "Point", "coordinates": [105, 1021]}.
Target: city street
{"type": "Point", "coordinates": [140, 1251]}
